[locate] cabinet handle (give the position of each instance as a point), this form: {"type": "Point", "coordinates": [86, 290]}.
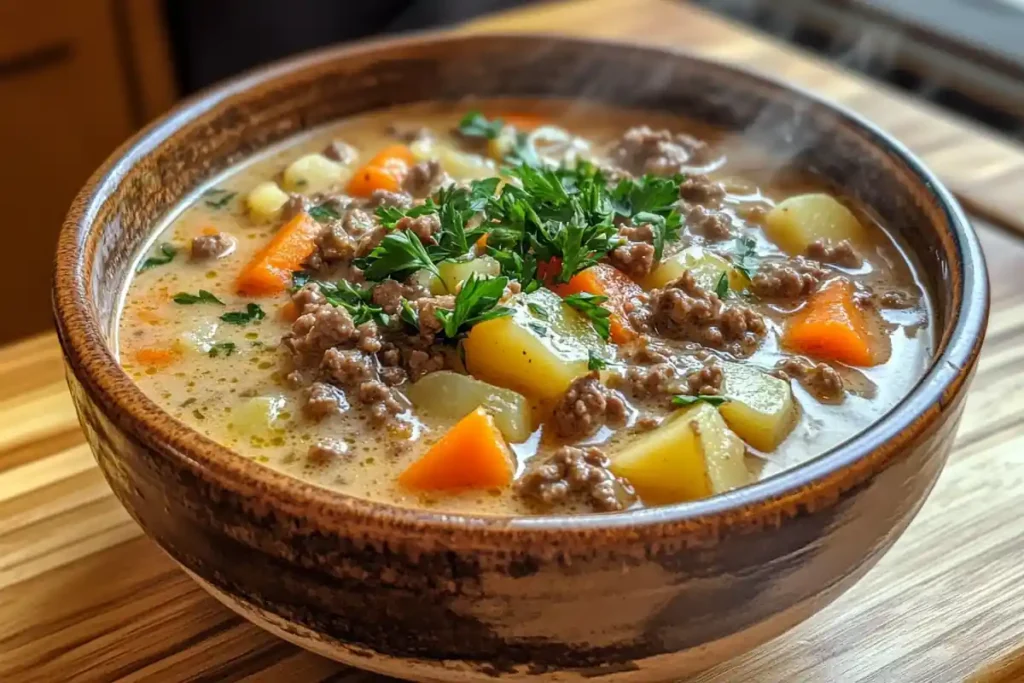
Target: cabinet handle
{"type": "Point", "coordinates": [41, 58]}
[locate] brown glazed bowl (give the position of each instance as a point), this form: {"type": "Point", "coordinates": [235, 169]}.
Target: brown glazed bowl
{"type": "Point", "coordinates": [638, 596]}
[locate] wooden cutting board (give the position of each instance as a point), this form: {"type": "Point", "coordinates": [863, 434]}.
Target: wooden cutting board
{"type": "Point", "coordinates": [85, 597]}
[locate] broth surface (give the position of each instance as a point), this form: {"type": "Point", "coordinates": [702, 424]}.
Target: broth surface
{"type": "Point", "coordinates": [231, 381]}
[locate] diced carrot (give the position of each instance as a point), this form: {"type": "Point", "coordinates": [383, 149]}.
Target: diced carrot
{"type": "Point", "coordinates": [289, 312]}
{"type": "Point", "coordinates": [522, 121]}
{"type": "Point", "coordinates": [385, 171]}
{"type": "Point", "coordinates": [481, 244]}
{"type": "Point", "coordinates": [270, 270]}
{"type": "Point", "coordinates": [623, 296]}
{"type": "Point", "coordinates": [470, 455]}
{"type": "Point", "coordinates": [209, 230]}
{"type": "Point", "coordinates": [548, 270]}
{"type": "Point", "coordinates": [831, 327]}
{"type": "Point", "coordinates": [156, 357]}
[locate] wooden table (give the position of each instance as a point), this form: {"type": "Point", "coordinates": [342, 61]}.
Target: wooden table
{"type": "Point", "coordinates": [85, 597]}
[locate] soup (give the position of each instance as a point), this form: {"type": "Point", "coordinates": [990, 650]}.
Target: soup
{"type": "Point", "coordinates": [509, 307]}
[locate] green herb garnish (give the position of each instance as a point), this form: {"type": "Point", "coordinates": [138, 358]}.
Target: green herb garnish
{"type": "Point", "coordinates": [218, 198]}
{"type": "Point", "coordinates": [476, 302]}
{"type": "Point", "coordinates": [204, 297]}
{"type": "Point", "coordinates": [538, 311]}
{"type": "Point", "coordinates": [476, 125]}
{"type": "Point", "coordinates": [357, 301]}
{"type": "Point", "coordinates": [252, 313]}
{"type": "Point", "coordinates": [722, 286]}
{"type": "Point", "coordinates": [167, 252]}
{"type": "Point", "coordinates": [590, 305]}
{"type": "Point", "coordinates": [686, 400]}
{"type": "Point", "coordinates": [651, 200]}
{"type": "Point", "coordinates": [323, 213]}
{"type": "Point", "coordinates": [745, 257]}
{"type": "Point", "coordinates": [219, 348]}
{"type": "Point", "coordinates": [409, 315]}
{"type": "Point", "coordinates": [595, 362]}
{"type": "Point", "coordinates": [397, 256]}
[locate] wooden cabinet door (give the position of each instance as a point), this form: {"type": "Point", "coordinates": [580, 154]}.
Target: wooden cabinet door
{"type": "Point", "coordinates": [64, 106]}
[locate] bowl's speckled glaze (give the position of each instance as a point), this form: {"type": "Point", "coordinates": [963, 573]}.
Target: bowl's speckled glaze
{"type": "Point", "coordinates": [649, 595]}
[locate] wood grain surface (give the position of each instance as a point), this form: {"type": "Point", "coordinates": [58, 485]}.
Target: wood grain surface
{"type": "Point", "coordinates": [85, 597]}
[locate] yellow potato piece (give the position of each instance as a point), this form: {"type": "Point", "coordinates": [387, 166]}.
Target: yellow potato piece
{"type": "Point", "coordinates": [707, 269]}
{"type": "Point", "coordinates": [313, 173]}
{"type": "Point", "coordinates": [692, 455]}
{"type": "Point", "coordinates": [265, 201]}
{"type": "Point", "coordinates": [796, 222]}
{"type": "Point", "coordinates": [538, 356]}
{"type": "Point", "coordinates": [761, 409]}
{"type": "Point", "coordinates": [455, 272]}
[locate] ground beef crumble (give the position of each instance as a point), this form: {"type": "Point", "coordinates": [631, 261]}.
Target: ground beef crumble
{"type": "Point", "coordinates": [576, 472]}
{"type": "Point", "coordinates": [712, 225]}
{"type": "Point", "coordinates": [635, 259]}
{"type": "Point", "coordinates": [892, 298]}
{"type": "Point", "coordinates": [841, 254]}
{"type": "Point", "coordinates": [820, 379]}
{"type": "Point", "coordinates": [398, 200]}
{"type": "Point", "coordinates": [700, 189]}
{"type": "Point", "coordinates": [215, 246]}
{"type": "Point", "coordinates": [340, 151]}
{"type": "Point", "coordinates": [706, 381]}
{"type": "Point", "coordinates": [425, 226]}
{"type": "Point", "coordinates": [642, 150]}
{"type": "Point", "coordinates": [586, 406]}
{"type": "Point", "coordinates": [791, 279]}
{"type": "Point", "coordinates": [323, 400]}
{"type": "Point", "coordinates": [426, 178]}
{"type": "Point", "coordinates": [684, 310]}
{"type": "Point", "coordinates": [660, 379]}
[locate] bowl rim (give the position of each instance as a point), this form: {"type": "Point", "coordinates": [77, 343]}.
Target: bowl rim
{"type": "Point", "coordinates": [90, 359]}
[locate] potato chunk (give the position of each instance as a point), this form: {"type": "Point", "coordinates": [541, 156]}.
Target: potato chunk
{"type": "Point", "coordinates": [265, 201]}
{"type": "Point", "coordinates": [258, 415]}
{"type": "Point", "coordinates": [454, 273]}
{"type": "Point", "coordinates": [692, 455]}
{"type": "Point", "coordinates": [707, 269]}
{"type": "Point", "coordinates": [313, 173]}
{"type": "Point", "coordinates": [760, 409]}
{"type": "Point", "coordinates": [796, 222]}
{"type": "Point", "coordinates": [538, 350]}
{"type": "Point", "coordinates": [450, 395]}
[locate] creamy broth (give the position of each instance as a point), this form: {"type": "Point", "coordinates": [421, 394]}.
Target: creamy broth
{"type": "Point", "coordinates": [235, 382]}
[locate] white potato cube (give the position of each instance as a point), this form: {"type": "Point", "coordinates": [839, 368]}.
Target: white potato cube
{"type": "Point", "coordinates": [265, 201]}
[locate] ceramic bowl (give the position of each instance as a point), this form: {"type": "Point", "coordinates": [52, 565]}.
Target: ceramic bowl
{"type": "Point", "coordinates": [638, 596]}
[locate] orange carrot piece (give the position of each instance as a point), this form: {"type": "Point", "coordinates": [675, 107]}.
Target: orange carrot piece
{"type": "Point", "coordinates": [385, 171]}
{"type": "Point", "coordinates": [471, 455]}
{"type": "Point", "coordinates": [623, 296]}
{"type": "Point", "coordinates": [156, 357]}
{"type": "Point", "coordinates": [270, 270]}
{"type": "Point", "coordinates": [831, 327]}
{"type": "Point", "coordinates": [522, 121]}
{"type": "Point", "coordinates": [209, 230]}
{"type": "Point", "coordinates": [481, 244]}
{"type": "Point", "coordinates": [289, 312]}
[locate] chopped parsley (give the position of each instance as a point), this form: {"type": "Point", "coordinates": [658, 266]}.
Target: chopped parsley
{"type": "Point", "coordinates": [476, 302]}
{"type": "Point", "coordinates": [538, 311]}
{"type": "Point", "coordinates": [203, 297]}
{"type": "Point", "coordinates": [650, 200]}
{"type": "Point", "coordinates": [165, 254]}
{"type": "Point", "coordinates": [595, 362]}
{"type": "Point", "coordinates": [357, 301]}
{"type": "Point", "coordinates": [722, 286]}
{"type": "Point", "coordinates": [398, 255]}
{"type": "Point", "coordinates": [745, 257]}
{"type": "Point", "coordinates": [324, 213]}
{"type": "Point", "coordinates": [409, 315]}
{"type": "Point", "coordinates": [218, 198]}
{"type": "Point", "coordinates": [590, 305]}
{"type": "Point", "coordinates": [686, 400]}
{"type": "Point", "coordinates": [476, 125]}
{"type": "Point", "coordinates": [222, 348]}
{"type": "Point", "coordinates": [252, 313]}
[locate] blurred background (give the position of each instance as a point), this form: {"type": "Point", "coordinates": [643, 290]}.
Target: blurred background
{"type": "Point", "coordinates": [77, 77]}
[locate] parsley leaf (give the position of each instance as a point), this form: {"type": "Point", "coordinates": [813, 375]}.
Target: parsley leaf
{"type": "Point", "coordinates": [226, 348]}
{"type": "Point", "coordinates": [722, 286]}
{"type": "Point", "coordinates": [476, 125]}
{"type": "Point", "coordinates": [251, 313]}
{"type": "Point", "coordinates": [686, 400]}
{"type": "Point", "coordinates": [398, 255]}
{"type": "Point", "coordinates": [538, 311]}
{"type": "Point", "coordinates": [390, 215]}
{"type": "Point", "coordinates": [595, 362]}
{"type": "Point", "coordinates": [204, 297]}
{"type": "Point", "coordinates": [745, 257]}
{"type": "Point", "coordinates": [357, 301]}
{"type": "Point", "coordinates": [590, 305]}
{"type": "Point", "coordinates": [167, 252]}
{"type": "Point", "coordinates": [476, 302]}
{"type": "Point", "coordinates": [523, 153]}
{"type": "Point", "coordinates": [324, 213]}
{"type": "Point", "coordinates": [218, 198]}
{"type": "Point", "coordinates": [409, 315]}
